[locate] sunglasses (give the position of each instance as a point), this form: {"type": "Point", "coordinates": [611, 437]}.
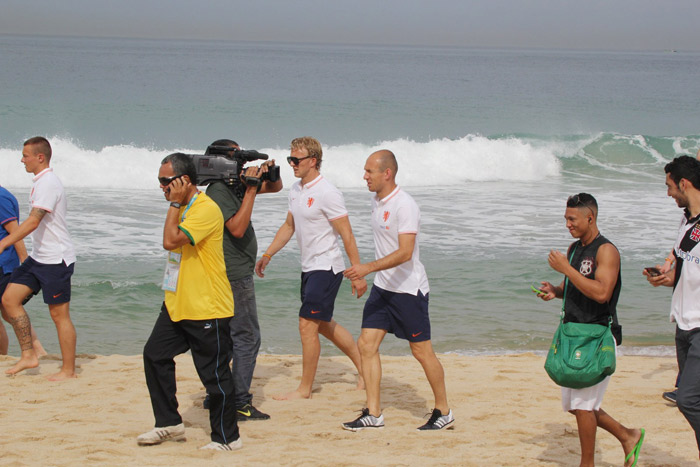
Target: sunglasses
{"type": "Point", "coordinates": [165, 181]}
{"type": "Point", "coordinates": [296, 160]}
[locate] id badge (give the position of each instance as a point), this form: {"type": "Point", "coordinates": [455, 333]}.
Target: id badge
{"type": "Point", "coordinates": [172, 271]}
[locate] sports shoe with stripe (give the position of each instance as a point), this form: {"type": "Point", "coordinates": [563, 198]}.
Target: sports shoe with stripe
{"type": "Point", "coordinates": [232, 446]}
{"type": "Point", "coordinates": [248, 412]}
{"type": "Point", "coordinates": [365, 421]}
{"type": "Point", "coordinates": [161, 434]}
{"type": "Point", "coordinates": [438, 421]}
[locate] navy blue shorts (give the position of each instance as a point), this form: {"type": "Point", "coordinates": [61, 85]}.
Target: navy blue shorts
{"type": "Point", "coordinates": [52, 279]}
{"type": "Point", "coordinates": [318, 292]}
{"type": "Point", "coordinates": [402, 314]}
{"type": "Point", "coordinates": [5, 281]}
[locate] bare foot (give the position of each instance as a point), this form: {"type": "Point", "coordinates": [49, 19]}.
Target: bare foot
{"type": "Point", "coordinates": [24, 363]}
{"type": "Point", "coordinates": [40, 351]}
{"type": "Point", "coordinates": [61, 376]}
{"type": "Point", "coordinates": [630, 445]}
{"type": "Point", "coordinates": [291, 396]}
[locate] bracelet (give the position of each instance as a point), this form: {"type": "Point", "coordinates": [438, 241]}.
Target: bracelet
{"type": "Point", "coordinates": [268, 256]}
{"type": "Point", "coordinates": [670, 259]}
{"type": "Point", "coordinates": [175, 205]}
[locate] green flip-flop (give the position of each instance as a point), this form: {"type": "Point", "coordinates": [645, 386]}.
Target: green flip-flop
{"type": "Point", "coordinates": [635, 451]}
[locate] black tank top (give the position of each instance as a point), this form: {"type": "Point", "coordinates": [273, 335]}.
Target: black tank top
{"type": "Point", "coordinates": [577, 307]}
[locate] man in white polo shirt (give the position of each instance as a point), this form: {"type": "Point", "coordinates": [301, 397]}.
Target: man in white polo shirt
{"type": "Point", "coordinates": [398, 302]}
{"type": "Point", "coordinates": [49, 267]}
{"type": "Point", "coordinates": [317, 214]}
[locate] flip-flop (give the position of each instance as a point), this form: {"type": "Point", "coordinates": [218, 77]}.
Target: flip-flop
{"type": "Point", "coordinates": [635, 451]}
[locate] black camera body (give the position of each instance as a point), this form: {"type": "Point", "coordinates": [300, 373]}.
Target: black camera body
{"type": "Point", "coordinates": [224, 163]}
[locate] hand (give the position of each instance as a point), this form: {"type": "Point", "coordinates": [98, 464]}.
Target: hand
{"type": "Point", "coordinates": [662, 279]}
{"type": "Point", "coordinates": [261, 265]}
{"type": "Point", "coordinates": [557, 261]}
{"type": "Point", "coordinates": [356, 272]}
{"type": "Point", "coordinates": [359, 287]}
{"type": "Point", "coordinates": [178, 190]}
{"type": "Point", "coordinates": [549, 291]}
{"type": "Point", "coordinates": [666, 267]}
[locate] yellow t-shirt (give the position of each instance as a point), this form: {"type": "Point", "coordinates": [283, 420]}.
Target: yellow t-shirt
{"type": "Point", "coordinates": [203, 290]}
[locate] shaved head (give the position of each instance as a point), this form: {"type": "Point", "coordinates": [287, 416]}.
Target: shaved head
{"type": "Point", "coordinates": [386, 160]}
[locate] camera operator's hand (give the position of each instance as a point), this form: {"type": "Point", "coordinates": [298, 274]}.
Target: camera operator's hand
{"type": "Point", "coordinates": [251, 177]}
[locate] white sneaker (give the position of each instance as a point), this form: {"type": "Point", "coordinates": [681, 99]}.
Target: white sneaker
{"type": "Point", "coordinates": [232, 446]}
{"type": "Point", "coordinates": [365, 420]}
{"type": "Point", "coordinates": [160, 434]}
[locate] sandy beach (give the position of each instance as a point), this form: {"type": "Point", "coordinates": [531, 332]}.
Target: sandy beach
{"type": "Point", "coordinates": [507, 413]}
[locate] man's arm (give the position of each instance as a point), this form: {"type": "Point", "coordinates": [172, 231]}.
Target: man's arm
{"type": "Point", "coordinates": [342, 226]}
{"type": "Point", "coordinates": [238, 223]}
{"type": "Point", "coordinates": [407, 242]}
{"type": "Point", "coordinates": [25, 228]}
{"type": "Point", "coordinates": [283, 235]}
{"type": "Point", "coordinates": [19, 244]}
{"type": "Point", "coordinates": [601, 287]}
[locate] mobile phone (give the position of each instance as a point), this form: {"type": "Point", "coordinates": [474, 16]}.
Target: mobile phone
{"type": "Point", "coordinates": [535, 288]}
{"type": "Point", "coordinates": [653, 271]}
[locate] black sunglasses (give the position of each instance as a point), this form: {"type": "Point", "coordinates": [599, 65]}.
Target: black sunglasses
{"type": "Point", "coordinates": [165, 181]}
{"type": "Point", "coordinates": [296, 160]}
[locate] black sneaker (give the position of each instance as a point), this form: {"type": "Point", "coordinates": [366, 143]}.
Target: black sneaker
{"type": "Point", "coordinates": [670, 395]}
{"type": "Point", "coordinates": [248, 412]}
{"type": "Point", "coordinates": [365, 420]}
{"type": "Point", "coordinates": [438, 421]}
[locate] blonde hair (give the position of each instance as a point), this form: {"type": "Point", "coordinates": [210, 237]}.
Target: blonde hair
{"type": "Point", "coordinates": [312, 146]}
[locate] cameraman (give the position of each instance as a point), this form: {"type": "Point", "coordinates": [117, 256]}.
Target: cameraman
{"type": "Point", "coordinates": [240, 251]}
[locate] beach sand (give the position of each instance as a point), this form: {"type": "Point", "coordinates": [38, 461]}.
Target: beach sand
{"type": "Point", "coordinates": [507, 412]}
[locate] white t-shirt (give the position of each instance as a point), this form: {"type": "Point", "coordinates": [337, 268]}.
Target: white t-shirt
{"type": "Point", "coordinates": [685, 303]}
{"type": "Point", "coordinates": [51, 243]}
{"type": "Point", "coordinates": [314, 206]}
{"type": "Point", "coordinates": [398, 214]}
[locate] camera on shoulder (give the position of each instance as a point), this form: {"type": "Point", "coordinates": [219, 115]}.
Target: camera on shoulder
{"type": "Point", "coordinates": [226, 164]}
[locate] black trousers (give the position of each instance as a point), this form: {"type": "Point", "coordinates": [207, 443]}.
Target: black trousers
{"type": "Point", "coordinates": [210, 344]}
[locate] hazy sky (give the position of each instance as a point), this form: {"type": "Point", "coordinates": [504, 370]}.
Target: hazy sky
{"type": "Point", "coordinates": [587, 24]}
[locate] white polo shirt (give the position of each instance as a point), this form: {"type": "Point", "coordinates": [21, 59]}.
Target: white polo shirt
{"type": "Point", "coordinates": [314, 206]}
{"type": "Point", "coordinates": [51, 242]}
{"type": "Point", "coordinates": [685, 303]}
{"type": "Point", "coordinates": [398, 214]}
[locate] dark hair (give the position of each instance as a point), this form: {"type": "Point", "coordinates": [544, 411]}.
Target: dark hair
{"type": "Point", "coordinates": [584, 200]}
{"type": "Point", "coordinates": [182, 165]}
{"type": "Point", "coordinates": [227, 143]}
{"type": "Point", "coordinates": [43, 143]}
{"type": "Point", "coordinates": [684, 167]}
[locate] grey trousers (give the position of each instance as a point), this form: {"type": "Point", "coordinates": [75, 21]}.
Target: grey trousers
{"type": "Point", "coordinates": [245, 334]}
{"type": "Point", "coordinates": [688, 354]}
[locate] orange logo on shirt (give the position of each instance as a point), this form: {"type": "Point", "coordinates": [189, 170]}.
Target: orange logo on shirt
{"type": "Point", "coordinates": [309, 202]}
{"type": "Point", "coordinates": [386, 215]}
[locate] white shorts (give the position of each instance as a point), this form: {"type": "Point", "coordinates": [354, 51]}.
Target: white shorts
{"type": "Point", "coordinates": [584, 399]}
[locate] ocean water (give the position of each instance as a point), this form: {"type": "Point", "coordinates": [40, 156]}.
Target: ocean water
{"type": "Point", "coordinates": [490, 143]}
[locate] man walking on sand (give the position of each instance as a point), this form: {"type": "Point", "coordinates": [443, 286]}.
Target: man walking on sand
{"type": "Point", "coordinates": [195, 314]}
{"type": "Point", "coordinates": [683, 185]}
{"type": "Point", "coordinates": [589, 291]}
{"type": "Point", "coordinates": [398, 302]}
{"type": "Point", "coordinates": [50, 266]}
{"type": "Point", "coordinates": [317, 215]}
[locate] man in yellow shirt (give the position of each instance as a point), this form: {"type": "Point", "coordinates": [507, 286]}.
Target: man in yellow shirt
{"type": "Point", "coordinates": [196, 313]}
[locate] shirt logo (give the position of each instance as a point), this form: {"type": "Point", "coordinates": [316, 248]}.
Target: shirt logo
{"type": "Point", "coordinates": [309, 202]}
{"type": "Point", "coordinates": [386, 215]}
{"type": "Point", "coordinates": [586, 266]}
{"type": "Point", "coordinates": [695, 234]}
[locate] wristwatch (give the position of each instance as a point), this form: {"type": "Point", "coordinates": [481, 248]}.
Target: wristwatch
{"type": "Point", "coordinates": [175, 205]}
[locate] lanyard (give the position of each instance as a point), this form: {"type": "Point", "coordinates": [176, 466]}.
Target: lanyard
{"type": "Point", "coordinates": [189, 205]}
